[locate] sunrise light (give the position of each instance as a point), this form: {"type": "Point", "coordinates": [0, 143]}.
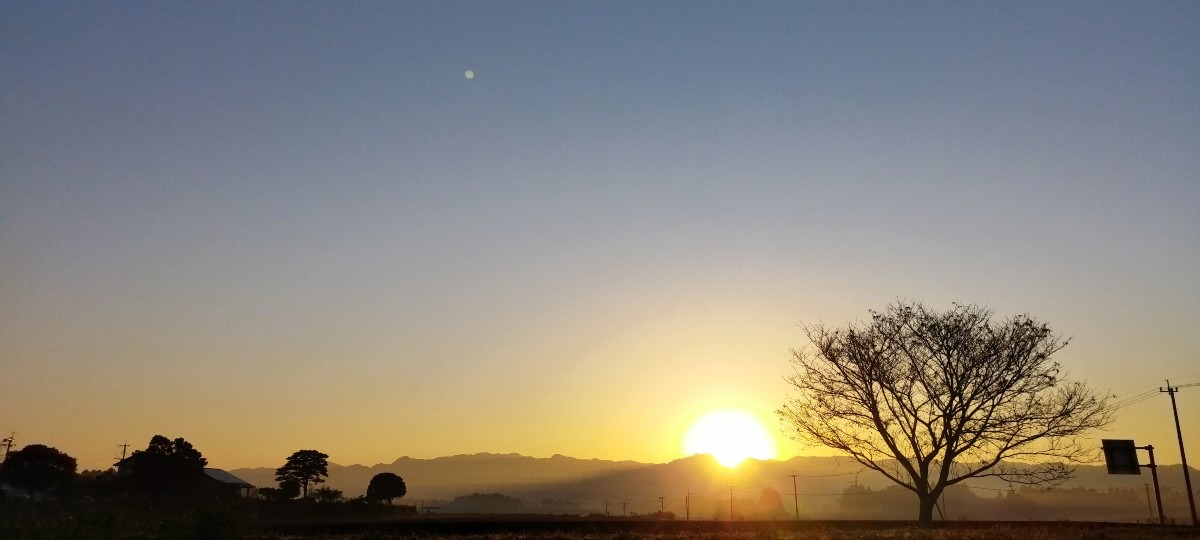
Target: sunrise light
{"type": "Point", "coordinates": [730, 436]}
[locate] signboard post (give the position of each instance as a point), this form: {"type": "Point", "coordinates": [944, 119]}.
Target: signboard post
{"type": "Point", "coordinates": [1121, 457]}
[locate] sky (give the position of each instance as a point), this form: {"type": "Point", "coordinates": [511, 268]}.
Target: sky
{"type": "Point", "coordinates": [273, 226]}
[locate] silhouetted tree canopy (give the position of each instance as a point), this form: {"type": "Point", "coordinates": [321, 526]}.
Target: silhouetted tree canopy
{"type": "Point", "coordinates": [288, 489]}
{"type": "Point", "coordinates": [37, 468]}
{"type": "Point", "coordinates": [327, 495]}
{"type": "Point", "coordinates": [306, 467]}
{"type": "Point", "coordinates": [165, 468]}
{"type": "Point", "coordinates": [930, 399]}
{"type": "Point", "coordinates": [386, 486]}
{"type": "Point", "coordinates": [770, 505]}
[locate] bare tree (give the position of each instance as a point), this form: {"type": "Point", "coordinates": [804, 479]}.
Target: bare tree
{"type": "Point", "coordinates": [930, 399]}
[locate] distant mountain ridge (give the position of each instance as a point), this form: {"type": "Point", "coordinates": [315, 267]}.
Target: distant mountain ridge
{"type": "Point", "coordinates": [446, 477]}
{"type": "Point", "coordinates": [633, 487]}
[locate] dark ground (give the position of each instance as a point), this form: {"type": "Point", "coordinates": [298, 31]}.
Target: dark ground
{"type": "Point", "coordinates": [519, 527]}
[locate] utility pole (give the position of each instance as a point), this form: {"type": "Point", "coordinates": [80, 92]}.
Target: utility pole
{"type": "Point", "coordinates": [623, 503]}
{"type": "Point", "coordinates": [661, 502]}
{"type": "Point", "coordinates": [124, 448]}
{"type": "Point", "coordinates": [1187, 478]}
{"type": "Point", "coordinates": [687, 506]}
{"type": "Point", "coordinates": [606, 508]}
{"type": "Point", "coordinates": [730, 503]}
{"type": "Point", "coordinates": [8, 444]}
{"type": "Point", "coordinates": [1149, 508]}
{"type": "Point", "coordinates": [795, 495]}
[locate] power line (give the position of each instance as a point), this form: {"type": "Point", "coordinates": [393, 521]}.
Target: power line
{"type": "Point", "coordinates": [1139, 395]}
{"type": "Point", "coordinates": [1135, 399]}
{"type": "Point", "coordinates": [860, 471]}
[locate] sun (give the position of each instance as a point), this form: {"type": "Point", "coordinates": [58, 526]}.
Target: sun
{"type": "Point", "coordinates": [731, 436]}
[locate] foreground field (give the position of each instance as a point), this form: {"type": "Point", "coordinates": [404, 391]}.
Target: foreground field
{"type": "Point", "coordinates": [36, 522]}
{"type": "Point", "coordinates": [484, 529]}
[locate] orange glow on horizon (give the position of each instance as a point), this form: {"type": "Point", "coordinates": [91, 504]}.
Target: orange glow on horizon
{"type": "Point", "coordinates": [730, 436]}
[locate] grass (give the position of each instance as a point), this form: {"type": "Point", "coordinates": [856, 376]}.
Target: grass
{"type": "Point", "coordinates": [833, 530]}
{"type": "Point", "coordinates": [893, 533]}
{"type": "Point", "coordinates": [29, 522]}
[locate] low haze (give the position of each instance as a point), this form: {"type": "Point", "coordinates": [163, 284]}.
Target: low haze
{"type": "Point", "coordinates": [382, 229]}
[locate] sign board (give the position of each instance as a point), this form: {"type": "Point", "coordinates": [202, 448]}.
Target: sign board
{"type": "Point", "coordinates": [1121, 456]}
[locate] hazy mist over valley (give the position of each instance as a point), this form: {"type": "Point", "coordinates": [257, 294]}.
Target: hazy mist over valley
{"type": "Point", "coordinates": [561, 484]}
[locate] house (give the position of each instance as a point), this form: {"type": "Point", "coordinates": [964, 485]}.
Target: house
{"type": "Point", "coordinates": [222, 480]}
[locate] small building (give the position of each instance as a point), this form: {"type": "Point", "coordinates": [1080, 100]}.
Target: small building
{"type": "Point", "coordinates": [222, 480]}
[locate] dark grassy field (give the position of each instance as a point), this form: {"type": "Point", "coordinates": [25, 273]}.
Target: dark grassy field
{"type": "Point", "coordinates": [541, 528]}
{"type": "Point", "coordinates": [249, 522]}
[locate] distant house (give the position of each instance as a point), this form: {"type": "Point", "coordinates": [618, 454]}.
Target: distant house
{"type": "Point", "coordinates": [222, 480]}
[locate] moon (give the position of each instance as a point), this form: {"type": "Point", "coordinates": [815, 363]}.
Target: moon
{"type": "Point", "coordinates": [469, 74]}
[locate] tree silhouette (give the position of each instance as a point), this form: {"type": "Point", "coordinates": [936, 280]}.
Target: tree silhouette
{"type": "Point", "coordinates": [306, 467]}
{"type": "Point", "coordinates": [37, 468]}
{"type": "Point", "coordinates": [165, 468]}
{"type": "Point", "coordinates": [288, 489]}
{"type": "Point", "coordinates": [930, 399]}
{"type": "Point", "coordinates": [770, 505]}
{"type": "Point", "coordinates": [327, 495]}
{"type": "Point", "coordinates": [386, 486]}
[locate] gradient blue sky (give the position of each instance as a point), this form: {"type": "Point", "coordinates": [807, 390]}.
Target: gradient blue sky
{"type": "Point", "coordinates": [267, 226]}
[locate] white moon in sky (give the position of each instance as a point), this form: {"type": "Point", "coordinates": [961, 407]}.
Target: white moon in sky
{"type": "Point", "coordinates": [469, 74]}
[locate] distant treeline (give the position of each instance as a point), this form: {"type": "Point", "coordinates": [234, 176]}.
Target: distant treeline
{"type": "Point", "coordinates": [1022, 504]}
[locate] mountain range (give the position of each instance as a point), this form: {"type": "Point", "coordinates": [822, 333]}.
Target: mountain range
{"type": "Point", "coordinates": [696, 485]}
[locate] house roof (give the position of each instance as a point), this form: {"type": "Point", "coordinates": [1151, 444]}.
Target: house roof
{"type": "Point", "coordinates": [226, 478]}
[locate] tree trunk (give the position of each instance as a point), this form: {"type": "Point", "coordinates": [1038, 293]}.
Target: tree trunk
{"type": "Point", "coordinates": [927, 501]}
